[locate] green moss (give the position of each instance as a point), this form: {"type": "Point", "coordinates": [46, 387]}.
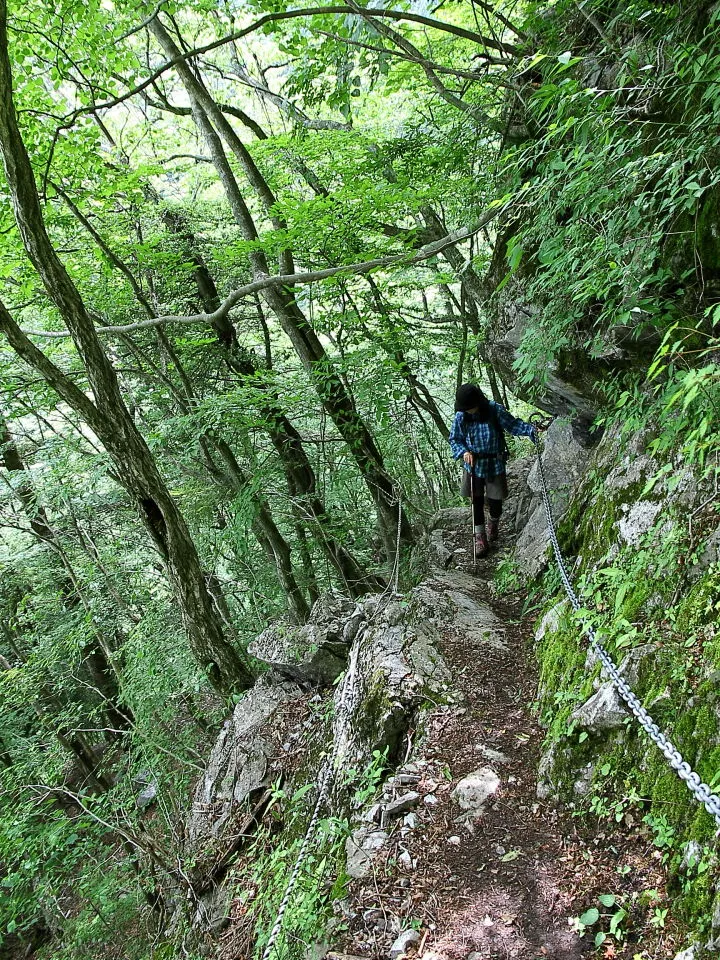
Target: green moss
{"type": "Point", "coordinates": [707, 236]}
{"type": "Point", "coordinates": [678, 682]}
{"type": "Point", "coordinates": [635, 600]}
{"type": "Point", "coordinates": [698, 607]}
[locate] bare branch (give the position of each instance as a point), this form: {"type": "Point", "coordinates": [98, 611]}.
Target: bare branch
{"type": "Point", "coordinates": [293, 15]}
{"type": "Point", "coordinates": [291, 279]}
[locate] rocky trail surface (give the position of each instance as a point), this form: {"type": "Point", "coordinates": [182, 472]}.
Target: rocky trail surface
{"type": "Point", "coordinates": [457, 857]}
{"type": "Point", "coordinates": [475, 866]}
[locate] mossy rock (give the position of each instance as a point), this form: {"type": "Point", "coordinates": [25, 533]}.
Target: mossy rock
{"type": "Point", "coordinates": [700, 605]}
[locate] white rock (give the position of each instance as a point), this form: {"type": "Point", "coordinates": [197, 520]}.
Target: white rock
{"type": "Point", "coordinates": [550, 621]}
{"type": "Point", "coordinates": [472, 791]}
{"type": "Point", "coordinates": [401, 804]}
{"type": "Point", "coordinates": [406, 938]}
{"type": "Point", "coordinates": [490, 754]}
{"type": "Point", "coordinates": [361, 849]}
{"type": "Point", "coordinates": [691, 855]}
{"type": "Point", "coordinates": [640, 518]}
{"type": "Point", "coordinates": [603, 711]}
{"type": "Point", "coordinates": [406, 860]}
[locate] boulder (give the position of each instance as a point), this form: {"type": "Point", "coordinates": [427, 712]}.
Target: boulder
{"type": "Point", "coordinates": [439, 553]}
{"type": "Point", "coordinates": [452, 518]}
{"type": "Point", "coordinates": [238, 763]}
{"type": "Point", "coordinates": [533, 543]}
{"type": "Point", "coordinates": [550, 620]}
{"type": "Point", "coordinates": [316, 652]}
{"type": "Point", "coordinates": [446, 599]}
{"type": "Point", "coordinates": [472, 791]}
{"type": "Point", "coordinates": [565, 457]}
{"type": "Point", "coordinates": [606, 710]}
{"type": "Point", "coordinates": [603, 711]}
{"type": "Point", "coordinates": [361, 850]}
{"type": "Point", "coordinates": [562, 392]}
{"type": "Point", "coordinates": [399, 806]}
{"type": "Point", "coordinates": [396, 658]}
{"type": "Point", "coordinates": [494, 756]}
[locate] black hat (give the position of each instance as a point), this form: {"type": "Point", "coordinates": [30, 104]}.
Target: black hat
{"type": "Point", "coordinates": [468, 396]}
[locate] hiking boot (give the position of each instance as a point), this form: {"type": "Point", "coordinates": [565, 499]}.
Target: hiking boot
{"type": "Point", "coordinates": [493, 530]}
{"type": "Point", "coordinates": [481, 544]}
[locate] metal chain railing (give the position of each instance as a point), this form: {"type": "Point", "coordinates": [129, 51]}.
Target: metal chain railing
{"type": "Point", "coordinates": [701, 791]}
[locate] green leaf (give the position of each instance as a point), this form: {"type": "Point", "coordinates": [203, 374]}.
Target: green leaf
{"type": "Point", "coordinates": [607, 899]}
{"type": "Point", "coordinates": [590, 917]}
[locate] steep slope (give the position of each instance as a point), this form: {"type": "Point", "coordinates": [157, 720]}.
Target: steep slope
{"type": "Point", "coordinates": [641, 532]}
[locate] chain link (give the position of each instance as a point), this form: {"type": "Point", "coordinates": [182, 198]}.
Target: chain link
{"type": "Point", "coordinates": [325, 782]}
{"type": "Point", "coordinates": [701, 791]}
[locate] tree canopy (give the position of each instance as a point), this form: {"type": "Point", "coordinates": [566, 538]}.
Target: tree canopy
{"type": "Point", "coordinates": [247, 252]}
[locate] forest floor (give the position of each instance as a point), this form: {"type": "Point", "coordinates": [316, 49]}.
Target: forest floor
{"type": "Point", "coordinates": [512, 883]}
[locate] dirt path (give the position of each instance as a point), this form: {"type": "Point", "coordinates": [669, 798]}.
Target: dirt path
{"type": "Point", "coordinates": [501, 885]}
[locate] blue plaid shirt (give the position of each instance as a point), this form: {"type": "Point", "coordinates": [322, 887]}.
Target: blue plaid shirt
{"type": "Point", "coordinates": [470, 434]}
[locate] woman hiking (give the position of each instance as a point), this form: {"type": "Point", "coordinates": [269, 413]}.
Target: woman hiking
{"type": "Point", "coordinates": [477, 436]}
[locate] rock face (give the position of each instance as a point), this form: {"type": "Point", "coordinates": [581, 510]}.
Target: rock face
{"type": "Point", "coordinates": [606, 710]}
{"type": "Point", "coordinates": [396, 661]}
{"type": "Point", "coordinates": [565, 391]}
{"type": "Point", "coordinates": [387, 649]}
{"type": "Point", "coordinates": [639, 518]}
{"type": "Point", "coordinates": [315, 653]}
{"type": "Point", "coordinates": [564, 460]}
{"type": "Point", "coordinates": [603, 711]}
{"type": "Point", "coordinates": [238, 764]}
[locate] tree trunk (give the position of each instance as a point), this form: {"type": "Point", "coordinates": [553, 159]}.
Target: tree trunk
{"type": "Point", "coordinates": [330, 388]}
{"type": "Point", "coordinates": [108, 415]}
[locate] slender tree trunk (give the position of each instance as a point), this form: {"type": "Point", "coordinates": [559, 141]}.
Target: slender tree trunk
{"type": "Point", "coordinates": [330, 388]}
{"type": "Point", "coordinates": [107, 415]}
{"type": "Point", "coordinates": [285, 438]}
{"type": "Point", "coordinates": [70, 740]}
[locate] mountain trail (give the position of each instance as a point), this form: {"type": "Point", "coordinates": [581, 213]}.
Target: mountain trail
{"type": "Point", "coordinates": [501, 879]}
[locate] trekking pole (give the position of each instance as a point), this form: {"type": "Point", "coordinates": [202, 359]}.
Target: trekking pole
{"type": "Point", "coordinates": [472, 506]}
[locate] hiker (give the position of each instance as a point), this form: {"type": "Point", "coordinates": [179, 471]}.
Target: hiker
{"type": "Point", "coordinates": [477, 436]}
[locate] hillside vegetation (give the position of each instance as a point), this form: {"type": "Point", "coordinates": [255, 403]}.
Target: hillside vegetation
{"type": "Point", "coordinates": [248, 251]}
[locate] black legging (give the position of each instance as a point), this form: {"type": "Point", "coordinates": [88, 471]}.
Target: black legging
{"type": "Point", "coordinates": [478, 488]}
